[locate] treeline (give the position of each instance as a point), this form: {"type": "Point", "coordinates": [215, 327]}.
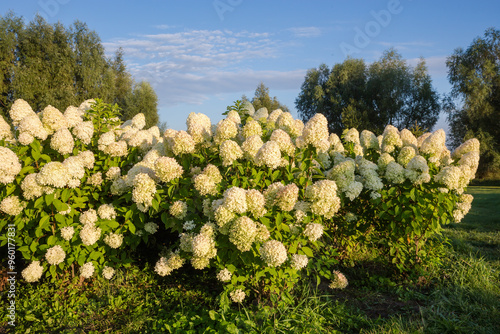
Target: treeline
{"type": "Point", "coordinates": [49, 64]}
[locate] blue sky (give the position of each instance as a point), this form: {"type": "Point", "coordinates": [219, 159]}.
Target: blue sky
{"type": "Point", "coordinates": [202, 55]}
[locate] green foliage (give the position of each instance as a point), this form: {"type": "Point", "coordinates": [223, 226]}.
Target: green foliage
{"type": "Point", "coordinates": [474, 74]}
{"type": "Point", "coordinates": [461, 296]}
{"type": "Point", "coordinates": [353, 94]}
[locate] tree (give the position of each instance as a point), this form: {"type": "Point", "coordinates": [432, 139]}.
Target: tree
{"type": "Point", "coordinates": [262, 99]}
{"type": "Point", "coordinates": [10, 26]}
{"type": "Point", "coordinates": [352, 94]}
{"type": "Point", "coordinates": [474, 74]}
{"type": "Point", "coordinates": [123, 79]}
{"type": "Point", "coordinates": [143, 99]}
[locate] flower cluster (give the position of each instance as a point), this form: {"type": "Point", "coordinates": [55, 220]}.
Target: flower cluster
{"type": "Point", "coordinates": [9, 165]}
{"type": "Point", "coordinates": [273, 253]}
{"type": "Point", "coordinates": [339, 281]}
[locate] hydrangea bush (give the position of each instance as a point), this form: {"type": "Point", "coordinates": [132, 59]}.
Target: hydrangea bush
{"type": "Point", "coordinates": [261, 197]}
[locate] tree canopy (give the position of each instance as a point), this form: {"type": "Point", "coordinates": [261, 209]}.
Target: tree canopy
{"type": "Point", "coordinates": [262, 99]}
{"type": "Point", "coordinates": [50, 64]}
{"type": "Point", "coordinates": [354, 94]}
{"type": "Point", "coordinates": [474, 74]}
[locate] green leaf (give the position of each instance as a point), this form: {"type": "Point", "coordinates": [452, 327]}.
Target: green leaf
{"type": "Point", "coordinates": [49, 199]}
{"type": "Point", "coordinates": [131, 227]}
{"type": "Point", "coordinates": [307, 251]}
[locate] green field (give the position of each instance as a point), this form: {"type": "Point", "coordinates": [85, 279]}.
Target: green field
{"type": "Point", "coordinates": [460, 296]}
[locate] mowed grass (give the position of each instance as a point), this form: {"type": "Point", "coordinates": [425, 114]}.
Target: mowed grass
{"type": "Point", "coordinates": [460, 296]}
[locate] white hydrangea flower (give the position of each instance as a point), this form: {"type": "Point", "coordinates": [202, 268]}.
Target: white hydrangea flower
{"type": "Point", "coordinates": [274, 115]}
{"type": "Point", "coordinates": [95, 179]}
{"type": "Point", "coordinates": [84, 131]}
{"type": "Point", "coordinates": [339, 281]}
{"type": "Point", "coordinates": [261, 113]}
{"type": "Point", "coordinates": [235, 200]}
{"type": "Point", "coordinates": [117, 149]}
{"type": "Point", "coordinates": [189, 225]}
{"type": "Point", "coordinates": [25, 138]}
{"type": "Point", "coordinates": [313, 231]}
{"type": "Point", "coordinates": [343, 173]}
{"type": "Point", "coordinates": [251, 146]}
{"type": "Point", "coordinates": [151, 228]}
{"type": "Point", "coordinates": [251, 128]}
{"type": "Point", "coordinates": [178, 209]}
{"type": "Point", "coordinates": [33, 272]}
{"type": "Point", "coordinates": [11, 205]}
{"type": "Point", "coordinates": [286, 123]}
{"type": "Point", "coordinates": [226, 129]}
{"type": "Point", "coordinates": [53, 174]}
{"type": "Point", "coordinates": [106, 211]}
{"type": "Point", "coordinates": [273, 253]}
{"type": "Point", "coordinates": [256, 203]}
{"type": "Point", "coordinates": [113, 240]}
{"type": "Point", "coordinates": [88, 217]}
{"type": "Point", "coordinates": [67, 232]}
{"type": "Point", "coordinates": [203, 246]}
{"type": "Point", "coordinates": [31, 188]}
{"type": "Point", "coordinates": [408, 138]}
{"type": "Point", "coordinates": [287, 196]}
{"type": "Point", "coordinates": [62, 141]}
{"type": "Point", "coordinates": [55, 255]}
{"type": "Point", "coordinates": [269, 155]}
{"type": "Point", "coordinates": [237, 295]}
{"type": "Point", "coordinates": [224, 275]}
{"type": "Point", "coordinates": [53, 119]}
{"type": "Point", "coordinates": [234, 116]}
{"type": "Point", "coordinates": [168, 169]}
{"type": "Point", "coordinates": [87, 158]}
{"type": "Point", "coordinates": [89, 234]}
{"type": "Point", "coordinates": [113, 173]}
{"type": "Point", "coordinates": [353, 190]}
{"type": "Point", "coordinates": [316, 130]}
{"type": "Point", "coordinates": [139, 121]}
{"type": "Point", "coordinates": [434, 144]}
{"type": "Point", "coordinates": [33, 126]}
{"type": "Point", "coordinates": [87, 270]}
{"type": "Point", "coordinates": [143, 191]}
{"type": "Point", "coordinates": [199, 127]}
{"type": "Point", "coordinates": [471, 145]}
{"type": "Point", "coordinates": [108, 272]}
{"type": "Point", "coordinates": [299, 261]}
{"type": "Point", "coordinates": [368, 140]}
{"type": "Point", "coordinates": [86, 105]}
{"type": "Point", "coordinates": [395, 173]}
{"type": "Point", "coordinates": [230, 151]}
{"type": "Point", "coordinates": [391, 139]}
{"type": "Point", "coordinates": [242, 233]}
{"type": "Point", "coordinates": [73, 116]}
{"type": "Point", "coordinates": [19, 110]}
{"type": "Point", "coordinates": [405, 155]}
{"type": "Point", "coordinates": [352, 136]}
{"type": "Point", "coordinates": [323, 197]}
{"type": "Point", "coordinates": [284, 141]}
{"type": "Point", "coordinates": [9, 165]}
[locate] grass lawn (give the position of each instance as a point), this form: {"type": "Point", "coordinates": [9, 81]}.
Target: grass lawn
{"type": "Point", "coordinates": [460, 296]}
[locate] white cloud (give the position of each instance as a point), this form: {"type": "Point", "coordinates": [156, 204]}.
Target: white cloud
{"type": "Point", "coordinates": [306, 31]}
{"type": "Point", "coordinates": [192, 66]}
